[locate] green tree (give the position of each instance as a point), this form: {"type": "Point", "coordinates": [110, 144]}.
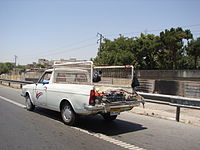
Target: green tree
{"type": "Point", "coordinates": [6, 67]}
{"type": "Point", "coordinates": [21, 68]}
{"type": "Point", "coordinates": [193, 50]}
{"type": "Point", "coordinates": [145, 50]}
{"type": "Point", "coordinates": [40, 66]}
{"type": "Point", "coordinates": [140, 52]}
{"type": "Point", "coordinates": [166, 51]}
{"type": "Point", "coordinates": [172, 42]}
{"type": "Point", "coordinates": [116, 52]}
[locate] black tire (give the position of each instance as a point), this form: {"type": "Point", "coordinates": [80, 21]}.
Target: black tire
{"type": "Point", "coordinates": [68, 115]}
{"type": "Point", "coordinates": [108, 117]}
{"type": "Point", "coordinates": [29, 104]}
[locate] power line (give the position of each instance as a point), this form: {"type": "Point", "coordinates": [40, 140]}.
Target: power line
{"type": "Point", "coordinates": [189, 26]}
{"type": "Point", "coordinates": [15, 60]}
{"type": "Point", "coordinates": [195, 31]}
{"type": "Point", "coordinates": [68, 50]}
{"type": "Point", "coordinates": [69, 45]}
{"type": "Point", "coordinates": [100, 40]}
{"type": "Point", "coordinates": [153, 30]}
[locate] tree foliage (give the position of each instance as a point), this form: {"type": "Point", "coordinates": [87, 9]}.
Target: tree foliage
{"type": "Point", "coordinates": [170, 50]}
{"type": "Point", "coordinates": [172, 45]}
{"type": "Point", "coordinates": [193, 50]}
{"type": "Point", "coordinates": [6, 67]}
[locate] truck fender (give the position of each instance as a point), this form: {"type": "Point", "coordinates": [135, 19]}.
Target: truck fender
{"type": "Point", "coordinates": [65, 100]}
{"type": "Point", "coordinates": [29, 94]}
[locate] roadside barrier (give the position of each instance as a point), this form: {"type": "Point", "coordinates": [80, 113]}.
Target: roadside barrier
{"type": "Point", "coordinates": [15, 81]}
{"type": "Point", "coordinates": [171, 100]}
{"type": "Point", "coordinates": [175, 101]}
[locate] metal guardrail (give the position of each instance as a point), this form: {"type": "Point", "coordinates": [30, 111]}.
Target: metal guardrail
{"type": "Point", "coordinates": [15, 81]}
{"type": "Point", "coordinates": [176, 101]}
{"type": "Point", "coordinates": [171, 99]}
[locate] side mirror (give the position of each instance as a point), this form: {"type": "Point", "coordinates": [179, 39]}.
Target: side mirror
{"type": "Point", "coordinates": [97, 76]}
{"type": "Point", "coordinates": [135, 82]}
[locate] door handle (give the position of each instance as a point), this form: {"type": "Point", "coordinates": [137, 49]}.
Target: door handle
{"type": "Point", "coordinates": [45, 87]}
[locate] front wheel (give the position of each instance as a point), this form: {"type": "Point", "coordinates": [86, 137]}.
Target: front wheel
{"type": "Point", "coordinates": [29, 104]}
{"type": "Point", "coordinates": [108, 117]}
{"type": "Point", "coordinates": [68, 115]}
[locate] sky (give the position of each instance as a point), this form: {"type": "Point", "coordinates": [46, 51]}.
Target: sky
{"type": "Point", "coordinates": [64, 29]}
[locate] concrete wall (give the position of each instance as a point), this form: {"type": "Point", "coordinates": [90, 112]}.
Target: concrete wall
{"type": "Point", "coordinates": [170, 87]}
{"type": "Point", "coordinates": [171, 82]}
{"type": "Point", "coordinates": [169, 74]}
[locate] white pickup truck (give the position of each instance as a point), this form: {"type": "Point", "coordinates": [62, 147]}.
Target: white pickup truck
{"type": "Point", "coordinates": [69, 89]}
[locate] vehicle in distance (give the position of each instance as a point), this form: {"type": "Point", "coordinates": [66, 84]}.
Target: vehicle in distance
{"type": "Point", "coordinates": [70, 89]}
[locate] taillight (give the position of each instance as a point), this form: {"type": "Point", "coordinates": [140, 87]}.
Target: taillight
{"type": "Point", "coordinates": [92, 97]}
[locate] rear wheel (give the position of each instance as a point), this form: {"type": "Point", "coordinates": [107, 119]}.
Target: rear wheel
{"type": "Point", "coordinates": [29, 104]}
{"type": "Point", "coordinates": [68, 115]}
{"type": "Point", "coordinates": [108, 117]}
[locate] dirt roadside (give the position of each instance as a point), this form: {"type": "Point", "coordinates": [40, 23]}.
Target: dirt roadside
{"type": "Point", "coordinates": [189, 116]}
{"type": "Point", "coordinates": [12, 85]}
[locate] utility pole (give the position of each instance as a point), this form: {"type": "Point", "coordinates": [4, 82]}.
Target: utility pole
{"type": "Point", "coordinates": [100, 40]}
{"type": "Point", "coordinates": [15, 60]}
{"type": "Point", "coordinates": [15, 63]}
{"type": "Point", "coordinates": [145, 31]}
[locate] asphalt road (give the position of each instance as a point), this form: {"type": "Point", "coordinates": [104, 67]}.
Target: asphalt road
{"type": "Point", "coordinates": [43, 129]}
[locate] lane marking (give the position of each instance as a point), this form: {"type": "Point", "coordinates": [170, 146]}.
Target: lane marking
{"type": "Point", "coordinates": [111, 140]}
{"type": "Point", "coordinates": [13, 102]}
{"type": "Point", "coordinates": [97, 135]}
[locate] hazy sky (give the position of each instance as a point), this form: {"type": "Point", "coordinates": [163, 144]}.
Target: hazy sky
{"type": "Point", "coordinates": [54, 29]}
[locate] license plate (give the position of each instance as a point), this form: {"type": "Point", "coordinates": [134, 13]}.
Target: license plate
{"type": "Point", "coordinates": [114, 111]}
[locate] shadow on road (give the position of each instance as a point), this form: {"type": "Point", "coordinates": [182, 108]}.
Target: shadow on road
{"type": "Point", "coordinates": [96, 123]}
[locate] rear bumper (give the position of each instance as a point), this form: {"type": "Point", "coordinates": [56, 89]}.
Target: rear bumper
{"type": "Point", "coordinates": [105, 108]}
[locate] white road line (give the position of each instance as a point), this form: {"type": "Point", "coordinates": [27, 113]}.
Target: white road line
{"type": "Point", "coordinates": [13, 102]}
{"type": "Point", "coordinates": [111, 140]}
{"type": "Point", "coordinates": [98, 135]}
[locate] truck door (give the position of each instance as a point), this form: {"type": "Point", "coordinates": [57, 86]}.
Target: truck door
{"type": "Point", "coordinates": [41, 89]}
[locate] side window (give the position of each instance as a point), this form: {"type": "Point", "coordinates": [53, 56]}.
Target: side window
{"type": "Point", "coordinates": [45, 78]}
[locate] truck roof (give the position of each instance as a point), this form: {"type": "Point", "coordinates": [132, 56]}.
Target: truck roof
{"type": "Point", "coordinates": [58, 64]}
{"type": "Point", "coordinates": [67, 69]}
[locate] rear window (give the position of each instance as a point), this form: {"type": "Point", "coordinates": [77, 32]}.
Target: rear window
{"type": "Point", "coordinates": [71, 77]}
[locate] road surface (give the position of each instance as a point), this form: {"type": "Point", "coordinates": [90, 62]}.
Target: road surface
{"type": "Point", "coordinates": [44, 130]}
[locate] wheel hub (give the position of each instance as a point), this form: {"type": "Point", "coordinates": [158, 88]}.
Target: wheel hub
{"type": "Point", "coordinates": [67, 114]}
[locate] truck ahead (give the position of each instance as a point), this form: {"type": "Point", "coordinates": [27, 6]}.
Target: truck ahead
{"type": "Point", "coordinates": [70, 88]}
